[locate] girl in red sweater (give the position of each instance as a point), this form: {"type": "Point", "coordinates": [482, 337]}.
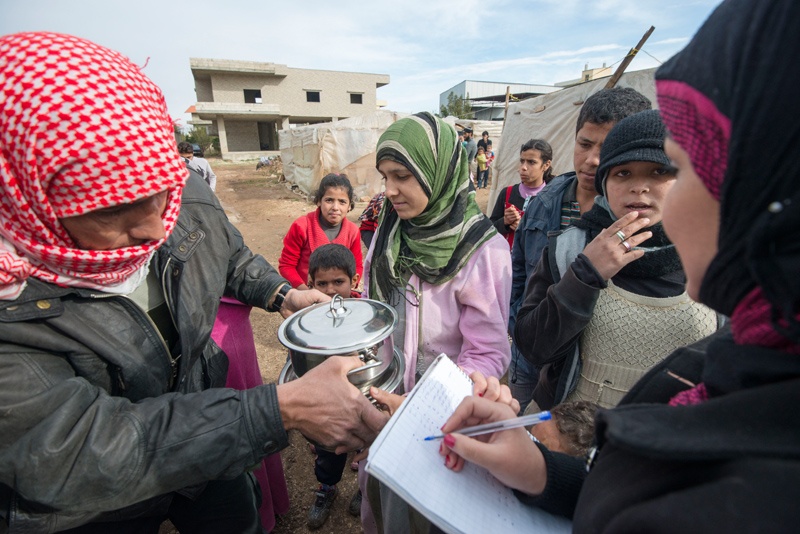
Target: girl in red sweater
{"type": "Point", "coordinates": [327, 224]}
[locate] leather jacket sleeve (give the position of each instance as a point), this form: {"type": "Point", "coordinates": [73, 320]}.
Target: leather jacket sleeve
{"type": "Point", "coordinates": [60, 431]}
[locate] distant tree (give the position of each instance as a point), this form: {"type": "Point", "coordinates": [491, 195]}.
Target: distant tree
{"type": "Point", "coordinates": [199, 136]}
{"type": "Point", "coordinates": [457, 107]}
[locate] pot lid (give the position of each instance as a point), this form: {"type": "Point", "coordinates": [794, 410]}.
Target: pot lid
{"type": "Point", "coordinates": [338, 327]}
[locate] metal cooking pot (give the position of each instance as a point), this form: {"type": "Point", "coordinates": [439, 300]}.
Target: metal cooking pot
{"type": "Point", "coordinates": [342, 327]}
{"type": "Point", "coordinates": [389, 381]}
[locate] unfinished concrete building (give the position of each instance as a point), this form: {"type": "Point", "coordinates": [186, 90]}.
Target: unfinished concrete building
{"type": "Point", "coordinates": [245, 103]}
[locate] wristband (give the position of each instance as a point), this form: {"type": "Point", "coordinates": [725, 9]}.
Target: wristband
{"type": "Point", "coordinates": [280, 296]}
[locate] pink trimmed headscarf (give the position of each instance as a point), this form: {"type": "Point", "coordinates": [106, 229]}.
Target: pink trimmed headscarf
{"type": "Point", "coordinates": [67, 105]}
{"type": "Point", "coordinates": [728, 103]}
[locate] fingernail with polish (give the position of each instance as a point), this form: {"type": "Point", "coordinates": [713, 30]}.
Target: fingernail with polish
{"type": "Point", "coordinates": [447, 460]}
{"type": "Point", "coordinates": [449, 440]}
{"type": "Point", "coordinates": [480, 394]}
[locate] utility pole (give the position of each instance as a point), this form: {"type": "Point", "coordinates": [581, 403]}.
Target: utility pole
{"type": "Point", "coordinates": [627, 61]}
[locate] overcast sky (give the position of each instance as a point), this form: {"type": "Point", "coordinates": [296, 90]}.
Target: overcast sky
{"type": "Point", "coordinates": [426, 46]}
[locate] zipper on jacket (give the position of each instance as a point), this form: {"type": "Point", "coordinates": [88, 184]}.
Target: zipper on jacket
{"type": "Point", "coordinates": [173, 361]}
{"type": "Point", "coordinates": [172, 318]}
{"type": "Point", "coordinates": [164, 292]}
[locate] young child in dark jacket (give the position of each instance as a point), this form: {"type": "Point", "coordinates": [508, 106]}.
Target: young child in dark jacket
{"type": "Point", "coordinates": [331, 270]}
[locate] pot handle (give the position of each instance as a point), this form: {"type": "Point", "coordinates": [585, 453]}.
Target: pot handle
{"type": "Point", "coordinates": [377, 363]}
{"type": "Point", "coordinates": [337, 305]}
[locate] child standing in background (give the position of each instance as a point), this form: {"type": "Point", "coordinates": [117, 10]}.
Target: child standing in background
{"type": "Point", "coordinates": [489, 160]}
{"type": "Point", "coordinates": [332, 270]}
{"type": "Point", "coordinates": [328, 224]}
{"type": "Point", "coordinates": [535, 170]}
{"type": "Point", "coordinates": [483, 169]}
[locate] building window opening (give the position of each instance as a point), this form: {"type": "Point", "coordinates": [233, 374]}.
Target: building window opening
{"type": "Point", "coordinates": [356, 98]}
{"type": "Point", "coordinates": [312, 96]}
{"type": "Point", "coordinates": [252, 96]}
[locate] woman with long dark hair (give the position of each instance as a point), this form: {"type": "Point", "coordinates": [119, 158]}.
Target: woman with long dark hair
{"type": "Point", "coordinates": [535, 170]}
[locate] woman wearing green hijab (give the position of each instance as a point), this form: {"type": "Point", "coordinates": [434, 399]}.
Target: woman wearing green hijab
{"type": "Point", "coordinates": [436, 257]}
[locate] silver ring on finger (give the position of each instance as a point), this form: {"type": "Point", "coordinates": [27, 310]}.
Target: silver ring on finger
{"type": "Point", "coordinates": [627, 246]}
{"type": "Point", "coordinates": [621, 236]}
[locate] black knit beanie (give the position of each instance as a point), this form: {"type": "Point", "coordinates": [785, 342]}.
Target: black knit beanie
{"type": "Point", "coordinates": [639, 137]}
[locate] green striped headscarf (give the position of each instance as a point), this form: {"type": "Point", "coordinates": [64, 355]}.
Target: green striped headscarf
{"type": "Point", "coordinates": [436, 244]}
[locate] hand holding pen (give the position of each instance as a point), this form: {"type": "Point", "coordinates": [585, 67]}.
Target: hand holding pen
{"type": "Point", "coordinates": [510, 455]}
{"type": "Point", "coordinates": [499, 426]}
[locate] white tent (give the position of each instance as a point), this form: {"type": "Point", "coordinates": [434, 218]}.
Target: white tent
{"type": "Point", "coordinates": [552, 117]}
{"type": "Point", "coordinates": [348, 146]}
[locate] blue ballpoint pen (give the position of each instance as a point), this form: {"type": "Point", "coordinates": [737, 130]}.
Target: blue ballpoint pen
{"type": "Point", "coordinates": [497, 426]}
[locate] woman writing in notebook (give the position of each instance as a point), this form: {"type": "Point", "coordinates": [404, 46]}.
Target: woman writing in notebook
{"type": "Point", "coordinates": [704, 442]}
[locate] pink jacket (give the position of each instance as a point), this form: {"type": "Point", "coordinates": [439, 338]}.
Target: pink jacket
{"type": "Point", "coordinates": [466, 318]}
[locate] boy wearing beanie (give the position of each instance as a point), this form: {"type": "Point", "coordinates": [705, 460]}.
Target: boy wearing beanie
{"type": "Point", "coordinates": [611, 287]}
{"type": "Point", "coordinates": [558, 205]}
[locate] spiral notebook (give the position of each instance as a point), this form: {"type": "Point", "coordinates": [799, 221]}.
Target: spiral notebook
{"type": "Point", "coordinates": [469, 501]}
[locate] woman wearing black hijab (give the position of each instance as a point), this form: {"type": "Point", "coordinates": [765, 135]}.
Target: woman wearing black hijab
{"type": "Point", "coordinates": [708, 441]}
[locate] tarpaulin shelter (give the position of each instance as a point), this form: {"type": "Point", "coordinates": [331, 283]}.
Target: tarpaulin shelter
{"type": "Point", "coordinates": [552, 117]}
{"type": "Point", "coordinates": [348, 146]}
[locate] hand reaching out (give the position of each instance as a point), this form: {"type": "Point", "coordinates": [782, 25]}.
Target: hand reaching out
{"type": "Point", "coordinates": [491, 389]}
{"type": "Point", "coordinates": [388, 402]}
{"type": "Point", "coordinates": [297, 299]}
{"type": "Point", "coordinates": [325, 407]}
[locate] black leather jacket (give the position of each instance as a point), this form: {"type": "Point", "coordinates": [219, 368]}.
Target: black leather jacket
{"type": "Point", "coordinates": [95, 421]}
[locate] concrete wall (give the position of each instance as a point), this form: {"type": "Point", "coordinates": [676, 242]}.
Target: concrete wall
{"type": "Point", "coordinates": [242, 135]}
{"type": "Point", "coordinates": [334, 87]}
{"type": "Point", "coordinates": [283, 99]}
{"type": "Point", "coordinates": [228, 87]}
{"type": "Point", "coordinates": [289, 91]}
{"type": "Point", "coordinates": [203, 91]}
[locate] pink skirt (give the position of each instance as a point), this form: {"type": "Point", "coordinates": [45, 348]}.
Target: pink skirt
{"type": "Point", "coordinates": [234, 334]}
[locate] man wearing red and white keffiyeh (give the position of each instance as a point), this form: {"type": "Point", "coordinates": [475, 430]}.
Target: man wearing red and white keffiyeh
{"type": "Point", "coordinates": [58, 160]}
{"type": "Point", "coordinates": [113, 412]}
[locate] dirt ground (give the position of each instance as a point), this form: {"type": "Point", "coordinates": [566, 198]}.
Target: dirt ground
{"type": "Point", "coordinates": [262, 208]}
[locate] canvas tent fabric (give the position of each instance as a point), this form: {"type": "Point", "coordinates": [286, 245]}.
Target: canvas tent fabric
{"type": "Point", "coordinates": [348, 146]}
{"type": "Point", "coordinates": [552, 117]}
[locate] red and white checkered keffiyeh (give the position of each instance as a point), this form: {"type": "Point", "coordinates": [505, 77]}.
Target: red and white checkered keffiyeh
{"type": "Point", "coordinates": [81, 129]}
